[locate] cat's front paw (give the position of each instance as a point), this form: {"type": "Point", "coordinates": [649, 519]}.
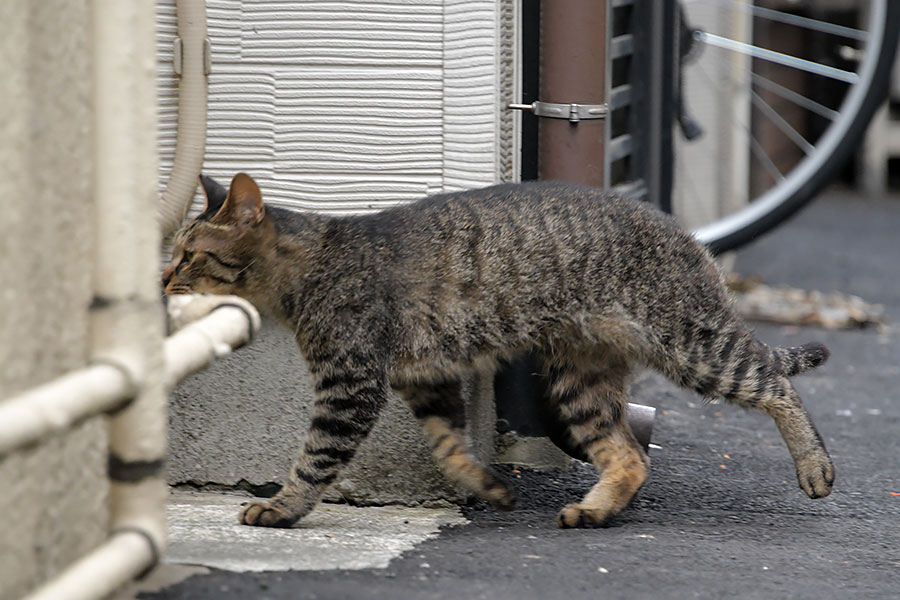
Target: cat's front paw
{"type": "Point", "coordinates": [816, 474]}
{"type": "Point", "coordinates": [263, 514]}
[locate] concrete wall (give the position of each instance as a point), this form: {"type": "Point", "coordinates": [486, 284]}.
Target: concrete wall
{"type": "Point", "coordinates": [54, 496]}
{"type": "Point", "coordinates": [347, 106]}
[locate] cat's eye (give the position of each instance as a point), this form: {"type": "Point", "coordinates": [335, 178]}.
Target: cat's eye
{"type": "Point", "coordinates": [186, 258]}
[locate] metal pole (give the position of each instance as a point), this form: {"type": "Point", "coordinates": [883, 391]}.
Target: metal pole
{"type": "Point", "coordinates": [663, 59]}
{"type": "Point", "coordinates": [573, 70]}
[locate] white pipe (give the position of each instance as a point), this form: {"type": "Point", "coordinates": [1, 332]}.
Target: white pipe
{"type": "Point", "coordinates": [55, 406]}
{"type": "Point", "coordinates": [126, 322]}
{"type": "Point", "coordinates": [224, 323]}
{"type": "Point", "coordinates": [230, 322]}
{"type": "Point", "coordinates": [123, 557]}
{"type": "Point", "coordinates": [190, 135]}
{"type": "Point", "coordinates": [210, 327]}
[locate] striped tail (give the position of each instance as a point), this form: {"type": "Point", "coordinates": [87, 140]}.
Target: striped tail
{"type": "Point", "coordinates": [738, 367]}
{"type": "Point", "coordinates": [796, 360]}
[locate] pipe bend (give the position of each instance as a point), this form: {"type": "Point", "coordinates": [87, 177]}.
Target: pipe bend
{"type": "Point", "coordinates": [190, 136]}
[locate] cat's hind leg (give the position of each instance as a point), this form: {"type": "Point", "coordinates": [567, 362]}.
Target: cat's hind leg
{"type": "Point", "coordinates": [731, 363]}
{"type": "Point", "coordinates": [590, 402]}
{"type": "Point", "coordinates": [440, 409]}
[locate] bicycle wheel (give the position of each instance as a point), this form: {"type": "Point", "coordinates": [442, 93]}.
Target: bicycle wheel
{"type": "Point", "coordinates": [783, 99]}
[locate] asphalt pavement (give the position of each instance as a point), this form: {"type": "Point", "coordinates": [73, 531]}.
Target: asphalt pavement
{"type": "Point", "coordinates": [722, 514]}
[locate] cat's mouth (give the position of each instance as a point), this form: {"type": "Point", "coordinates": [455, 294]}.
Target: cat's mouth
{"type": "Point", "coordinates": [178, 288]}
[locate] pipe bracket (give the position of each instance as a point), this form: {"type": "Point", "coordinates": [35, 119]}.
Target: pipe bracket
{"type": "Point", "coordinates": [178, 56]}
{"type": "Point", "coordinates": [572, 112]}
{"type": "Point", "coordinates": [121, 470]}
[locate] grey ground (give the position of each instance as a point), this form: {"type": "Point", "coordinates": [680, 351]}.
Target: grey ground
{"type": "Point", "coordinates": [722, 514]}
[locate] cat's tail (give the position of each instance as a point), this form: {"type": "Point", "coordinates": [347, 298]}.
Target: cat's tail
{"type": "Point", "coordinates": [796, 360]}
{"type": "Point", "coordinates": [736, 366]}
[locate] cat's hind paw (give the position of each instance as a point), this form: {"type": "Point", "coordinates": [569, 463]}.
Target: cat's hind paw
{"type": "Point", "coordinates": [816, 475]}
{"type": "Point", "coordinates": [263, 514]}
{"type": "Point", "coordinates": [580, 516]}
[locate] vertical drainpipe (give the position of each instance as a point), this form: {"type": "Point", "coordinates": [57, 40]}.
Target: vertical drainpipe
{"type": "Point", "coordinates": [191, 58]}
{"type": "Point", "coordinates": [126, 315]}
{"type": "Point", "coordinates": [573, 70]}
{"type": "Point", "coordinates": [126, 321]}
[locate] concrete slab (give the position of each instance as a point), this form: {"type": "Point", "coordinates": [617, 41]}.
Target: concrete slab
{"type": "Point", "coordinates": [203, 530]}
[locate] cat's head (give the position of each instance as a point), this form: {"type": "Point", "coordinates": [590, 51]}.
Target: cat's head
{"type": "Point", "coordinates": [223, 250]}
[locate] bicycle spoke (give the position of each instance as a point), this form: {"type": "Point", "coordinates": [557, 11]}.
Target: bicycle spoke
{"type": "Point", "coordinates": [757, 150]}
{"type": "Point", "coordinates": [792, 96]}
{"type": "Point", "coordinates": [765, 108]}
{"type": "Point", "coordinates": [755, 147]}
{"type": "Point", "coordinates": [779, 90]}
{"type": "Point", "coordinates": [779, 122]}
{"type": "Point", "coordinates": [805, 22]}
{"type": "Point", "coordinates": [780, 58]}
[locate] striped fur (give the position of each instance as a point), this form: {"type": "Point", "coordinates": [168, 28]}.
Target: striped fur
{"type": "Point", "coordinates": [413, 297]}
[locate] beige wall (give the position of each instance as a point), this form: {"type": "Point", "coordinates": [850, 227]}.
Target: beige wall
{"type": "Point", "coordinates": [52, 498]}
{"type": "Point", "coordinates": [712, 172]}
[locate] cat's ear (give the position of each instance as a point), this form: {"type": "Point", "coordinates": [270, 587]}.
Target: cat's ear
{"type": "Point", "coordinates": [244, 204]}
{"type": "Point", "coordinates": [214, 193]}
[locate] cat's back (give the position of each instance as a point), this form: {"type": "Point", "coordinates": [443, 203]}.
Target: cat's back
{"type": "Point", "coordinates": [549, 235]}
{"type": "Point", "coordinates": [536, 217]}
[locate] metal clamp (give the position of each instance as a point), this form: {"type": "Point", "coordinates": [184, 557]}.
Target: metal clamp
{"type": "Point", "coordinates": [572, 112]}
{"type": "Point", "coordinates": [178, 56]}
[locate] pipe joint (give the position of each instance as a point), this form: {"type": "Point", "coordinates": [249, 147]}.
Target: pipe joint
{"type": "Point", "coordinates": [253, 321]}
{"type": "Point", "coordinates": [130, 364]}
{"type": "Point", "coordinates": [130, 372]}
{"type": "Point", "coordinates": [152, 543]}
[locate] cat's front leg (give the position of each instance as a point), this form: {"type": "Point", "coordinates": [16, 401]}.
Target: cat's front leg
{"type": "Point", "coordinates": [347, 404]}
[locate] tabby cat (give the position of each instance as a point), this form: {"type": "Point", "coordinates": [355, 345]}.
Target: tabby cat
{"type": "Point", "coordinates": [412, 297]}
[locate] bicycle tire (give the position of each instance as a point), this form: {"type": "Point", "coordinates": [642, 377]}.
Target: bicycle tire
{"type": "Point", "coordinates": [834, 149]}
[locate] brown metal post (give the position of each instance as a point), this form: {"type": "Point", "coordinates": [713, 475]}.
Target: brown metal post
{"type": "Point", "coordinates": [573, 70]}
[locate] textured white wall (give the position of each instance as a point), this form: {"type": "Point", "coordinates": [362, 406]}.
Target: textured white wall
{"type": "Point", "coordinates": [346, 105]}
